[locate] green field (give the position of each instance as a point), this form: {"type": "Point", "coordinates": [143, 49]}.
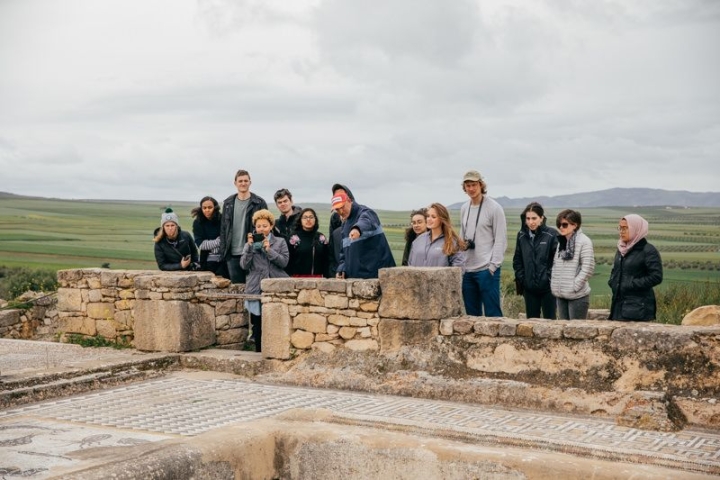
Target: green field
{"type": "Point", "coordinates": [59, 234]}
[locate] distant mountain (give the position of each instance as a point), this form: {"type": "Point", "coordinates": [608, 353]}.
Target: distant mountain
{"type": "Point", "coordinates": [617, 197]}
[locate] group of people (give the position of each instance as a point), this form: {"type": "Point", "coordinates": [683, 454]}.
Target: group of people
{"type": "Point", "coordinates": [244, 242]}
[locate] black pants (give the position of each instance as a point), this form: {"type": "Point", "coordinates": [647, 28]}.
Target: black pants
{"type": "Point", "coordinates": [256, 321]}
{"type": "Point", "coordinates": [237, 274]}
{"type": "Point", "coordinates": [536, 302]}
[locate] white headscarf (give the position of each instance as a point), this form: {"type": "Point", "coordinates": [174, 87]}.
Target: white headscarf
{"type": "Point", "coordinates": [637, 229]}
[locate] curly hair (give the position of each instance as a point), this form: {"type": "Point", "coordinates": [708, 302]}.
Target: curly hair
{"type": "Point", "coordinates": [263, 215]}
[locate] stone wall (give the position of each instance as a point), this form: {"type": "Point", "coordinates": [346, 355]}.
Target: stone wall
{"type": "Point", "coordinates": [109, 303]}
{"type": "Point", "coordinates": [33, 322]}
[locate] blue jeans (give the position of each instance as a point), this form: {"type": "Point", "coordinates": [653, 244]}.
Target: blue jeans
{"type": "Point", "coordinates": [481, 292]}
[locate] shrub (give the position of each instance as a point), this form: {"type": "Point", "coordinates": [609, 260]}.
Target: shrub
{"type": "Point", "coordinates": [14, 281]}
{"type": "Point", "coordinates": [678, 299]}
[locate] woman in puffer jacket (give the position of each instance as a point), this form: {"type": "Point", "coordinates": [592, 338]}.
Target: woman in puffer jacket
{"type": "Point", "coordinates": [636, 270]}
{"type": "Point", "coordinates": [573, 266]}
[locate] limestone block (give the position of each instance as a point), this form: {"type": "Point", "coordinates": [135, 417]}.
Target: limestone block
{"type": "Point", "coordinates": [277, 285]}
{"type": "Point", "coordinates": [446, 326]}
{"type": "Point", "coordinates": [68, 276]}
{"type": "Point", "coordinates": [108, 328]}
{"type": "Point", "coordinates": [126, 294]}
{"type": "Point", "coordinates": [548, 330]}
{"type": "Point", "coordinates": [125, 282]}
{"type": "Point", "coordinates": [94, 296]}
{"type": "Point", "coordinates": [178, 295]}
{"type": "Point", "coordinates": [369, 306]}
{"type": "Point", "coordinates": [277, 327]}
{"type": "Point", "coordinates": [323, 347]}
{"type": "Point", "coordinates": [321, 310]}
{"type": "Point", "coordinates": [125, 304]}
{"type": "Point", "coordinates": [347, 332]}
{"type": "Point", "coordinates": [108, 292]}
{"type": "Point", "coordinates": [362, 345]}
{"type": "Point", "coordinates": [179, 280]}
{"type": "Point", "coordinates": [646, 337]}
{"type": "Point", "coordinates": [82, 325]}
{"type": "Point", "coordinates": [238, 320]}
{"type": "Point", "coordinates": [110, 278]}
{"type": "Point", "coordinates": [226, 307]}
{"type": "Point", "coordinates": [396, 333]}
{"type": "Point", "coordinates": [489, 328]}
{"type": "Point", "coordinates": [369, 289]}
{"type": "Point", "coordinates": [9, 317]}
{"type": "Point", "coordinates": [310, 297]}
{"type": "Point", "coordinates": [325, 337]}
{"type": "Point", "coordinates": [703, 316]}
{"type": "Point", "coordinates": [233, 335]}
{"type": "Point", "coordinates": [354, 303]}
{"type": "Point", "coordinates": [104, 311]}
{"type": "Point", "coordinates": [580, 332]}
{"type": "Point", "coordinates": [144, 282]}
{"type": "Point", "coordinates": [173, 326]}
{"type": "Point", "coordinates": [336, 301]}
{"type": "Point", "coordinates": [93, 283]}
{"type": "Point", "coordinates": [124, 317]}
{"type": "Point", "coordinates": [220, 282]}
{"type": "Point", "coordinates": [69, 299]}
{"type": "Point", "coordinates": [508, 328]}
{"type": "Point", "coordinates": [310, 322]}
{"type": "Point", "coordinates": [358, 322]}
{"type": "Point", "coordinates": [364, 332]}
{"type": "Point", "coordinates": [463, 325]}
{"type": "Point", "coordinates": [373, 322]}
{"type": "Point", "coordinates": [332, 285]}
{"type": "Point", "coordinates": [331, 329]}
{"type": "Point", "coordinates": [421, 293]}
{"type": "Point", "coordinates": [222, 321]}
{"type": "Point", "coordinates": [301, 339]}
{"type": "Point", "coordinates": [340, 320]}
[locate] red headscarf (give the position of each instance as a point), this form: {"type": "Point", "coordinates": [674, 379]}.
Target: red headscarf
{"type": "Point", "coordinates": [637, 230]}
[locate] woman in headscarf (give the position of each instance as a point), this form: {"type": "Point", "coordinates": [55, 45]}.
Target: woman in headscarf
{"type": "Point", "coordinates": [636, 270]}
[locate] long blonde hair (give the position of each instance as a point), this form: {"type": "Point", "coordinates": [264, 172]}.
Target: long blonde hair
{"type": "Point", "coordinates": [453, 243]}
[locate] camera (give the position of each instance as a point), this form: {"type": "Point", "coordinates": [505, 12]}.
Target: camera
{"type": "Point", "coordinates": [257, 241]}
{"type": "Point", "coordinates": [469, 244]}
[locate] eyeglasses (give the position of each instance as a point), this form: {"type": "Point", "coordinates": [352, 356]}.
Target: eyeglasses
{"type": "Point", "coordinates": [564, 225]}
{"type": "Point", "coordinates": [308, 217]}
{"type": "Point", "coordinates": [623, 229]}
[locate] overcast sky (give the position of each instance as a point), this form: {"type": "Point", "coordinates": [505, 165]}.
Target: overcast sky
{"type": "Point", "coordinates": [165, 100]}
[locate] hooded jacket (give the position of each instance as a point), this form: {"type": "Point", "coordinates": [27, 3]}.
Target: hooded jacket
{"type": "Point", "coordinates": [364, 256]}
{"type": "Point", "coordinates": [632, 280]}
{"type": "Point", "coordinates": [226, 221]}
{"type": "Point", "coordinates": [533, 259]}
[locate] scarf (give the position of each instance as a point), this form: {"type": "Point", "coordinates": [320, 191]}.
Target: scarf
{"type": "Point", "coordinates": [566, 247]}
{"type": "Point", "coordinates": [637, 229]}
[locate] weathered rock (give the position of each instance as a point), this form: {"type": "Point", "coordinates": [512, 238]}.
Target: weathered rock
{"type": "Point", "coordinates": [173, 326]}
{"type": "Point", "coordinates": [277, 328]}
{"type": "Point", "coordinates": [101, 311]}
{"type": "Point", "coordinates": [394, 334]}
{"type": "Point", "coordinates": [302, 339]}
{"type": "Point", "coordinates": [9, 317]}
{"type": "Point", "coordinates": [703, 316]}
{"type": "Point", "coordinates": [310, 322]}
{"type": "Point", "coordinates": [421, 293]}
{"type": "Point", "coordinates": [69, 299]}
{"type": "Point", "coordinates": [277, 285]}
{"type": "Point", "coordinates": [323, 347]}
{"type": "Point", "coordinates": [648, 411]}
{"type": "Point", "coordinates": [81, 325]}
{"type": "Point", "coordinates": [310, 297]}
{"type": "Point", "coordinates": [366, 288]}
{"type": "Point", "coordinates": [362, 345]}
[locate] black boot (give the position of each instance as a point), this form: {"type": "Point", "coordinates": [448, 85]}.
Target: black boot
{"type": "Point", "coordinates": [256, 321]}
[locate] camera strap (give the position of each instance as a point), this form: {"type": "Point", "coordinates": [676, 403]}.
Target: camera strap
{"type": "Point", "coordinates": [467, 217]}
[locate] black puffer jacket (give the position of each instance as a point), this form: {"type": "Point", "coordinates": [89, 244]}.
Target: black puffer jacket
{"type": "Point", "coordinates": [169, 255]}
{"type": "Point", "coordinates": [632, 280]}
{"type": "Point", "coordinates": [533, 259]}
{"type": "Point", "coordinates": [226, 221]}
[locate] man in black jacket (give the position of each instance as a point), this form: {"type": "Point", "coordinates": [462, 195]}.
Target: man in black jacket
{"type": "Point", "coordinates": [236, 223]}
{"type": "Point", "coordinates": [289, 213]}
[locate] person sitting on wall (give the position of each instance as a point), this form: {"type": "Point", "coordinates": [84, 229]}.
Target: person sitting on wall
{"type": "Point", "coordinates": [174, 248]}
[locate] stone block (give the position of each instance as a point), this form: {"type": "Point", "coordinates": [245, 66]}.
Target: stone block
{"type": "Point", "coordinates": [238, 320]}
{"type": "Point", "coordinates": [220, 282]}
{"type": "Point", "coordinates": [580, 332]}
{"type": "Point", "coordinates": [331, 329]}
{"type": "Point", "coordinates": [178, 295]}
{"type": "Point", "coordinates": [325, 337]}
{"type": "Point", "coordinates": [94, 296]}
{"type": "Point", "coordinates": [125, 304]}
{"type": "Point", "coordinates": [310, 297]}
{"type": "Point", "coordinates": [226, 307]}
{"type": "Point", "coordinates": [124, 317]}
{"type": "Point", "coordinates": [81, 325]}
{"type": "Point", "coordinates": [347, 332]}
{"type": "Point", "coordinates": [179, 280]}
{"type": "Point", "coordinates": [126, 294]}
{"type": "Point", "coordinates": [222, 321]}
{"type": "Point", "coordinates": [69, 276]}
{"type": "Point", "coordinates": [446, 326]}
{"type": "Point", "coordinates": [489, 328]}
{"type": "Point", "coordinates": [110, 278]}
{"type": "Point", "coordinates": [336, 301]}
{"type": "Point", "coordinates": [323, 347]}
{"type": "Point", "coordinates": [548, 330]}
{"type": "Point", "coordinates": [703, 316]}
{"type": "Point", "coordinates": [369, 306]}
{"type": "Point", "coordinates": [396, 333]}
{"type": "Point", "coordinates": [9, 317]}
{"type": "Point", "coordinates": [277, 328]}
{"type": "Point", "coordinates": [332, 285]}
{"type": "Point", "coordinates": [173, 326]}
{"type": "Point", "coordinates": [277, 285]}
{"type": "Point", "coordinates": [421, 293]}
{"type": "Point", "coordinates": [304, 283]}
{"type": "Point", "coordinates": [231, 336]}
{"type": "Point", "coordinates": [463, 326]}
{"type": "Point", "coordinates": [144, 282]}
{"type": "Point", "coordinates": [362, 345]}
{"type": "Point", "coordinates": [358, 322]}
{"type": "Point", "coordinates": [103, 311]}
{"type": "Point", "coordinates": [302, 340]}
{"type": "Point", "coordinates": [652, 337]}
{"type": "Point", "coordinates": [108, 328]}
{"type": "Point", "coordinates": [364, 332]}
{"type": "Point", "coordinates": [93, 283]}
{"type": "Point", "coordinates": [310, 322]}
{"type": "Point", "coordinates": [69, 300]}
{"type": "Point", "coordinates": [369, 289]}
{"type": "Point", "coordinates": [339, 320]}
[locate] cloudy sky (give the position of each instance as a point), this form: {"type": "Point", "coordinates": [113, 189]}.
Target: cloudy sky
{"type": "Point", "coordinates": [166, 99]}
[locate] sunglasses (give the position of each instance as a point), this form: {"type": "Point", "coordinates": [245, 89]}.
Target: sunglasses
{"type": "Point", "coordinates": [564, 225]}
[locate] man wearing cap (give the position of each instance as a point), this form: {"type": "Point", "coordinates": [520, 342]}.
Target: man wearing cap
{"type": "Point", "coordinates": [483, 227]}
{"type": "Point", "coordinates": [365, 249]}
{"type": "Point", "coordinates": [335, 230]}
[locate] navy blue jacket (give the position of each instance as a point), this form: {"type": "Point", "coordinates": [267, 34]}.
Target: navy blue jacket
{"type": "Point", "coordinates": [363, 257]}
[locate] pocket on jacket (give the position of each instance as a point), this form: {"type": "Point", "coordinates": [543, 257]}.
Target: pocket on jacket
{"type": "Point", "coordinates": [633, 309]}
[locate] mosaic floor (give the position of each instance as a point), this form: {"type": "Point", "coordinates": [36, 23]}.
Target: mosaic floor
{"type": "Point", "coordinates": [38, 436]}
